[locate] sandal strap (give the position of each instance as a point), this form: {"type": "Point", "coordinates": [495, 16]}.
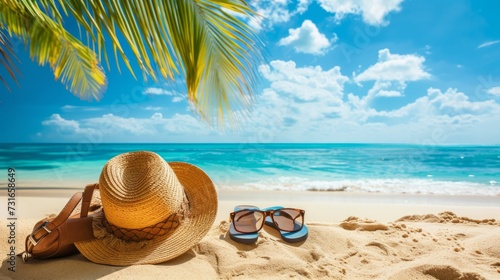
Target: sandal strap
{"type": "Point", "coordinates": [73, 231]}
{"type": "Point", "coordinates": [87, 198]}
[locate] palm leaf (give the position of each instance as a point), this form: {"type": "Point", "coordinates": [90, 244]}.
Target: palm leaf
{"type": "Point", "coordinates": [6, 55]}
{"type": "Point", "coordinates": [201, 40]}
{"type": "Point", "coordinates": [73, 63]}
{"type": "Point", "coordinates": [207, 42]}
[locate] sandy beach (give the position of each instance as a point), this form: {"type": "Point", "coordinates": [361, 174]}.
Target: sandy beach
{"type": "Point", "coordinates": [351, 236]}
{"type": "Point", "coordinates": [374, 122]}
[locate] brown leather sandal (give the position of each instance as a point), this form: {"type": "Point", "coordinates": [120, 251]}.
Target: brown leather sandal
{"type": "Point", "coordinates": [55, 236]}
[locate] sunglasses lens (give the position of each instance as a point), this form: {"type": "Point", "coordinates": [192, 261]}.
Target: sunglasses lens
{"type": "Point", "coordinates": [288, 219]}
{"type": "Point", "coordinates": [248, 221]}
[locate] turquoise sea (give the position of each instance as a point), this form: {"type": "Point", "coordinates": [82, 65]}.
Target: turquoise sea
{"type": "Point", "coordinates": [385, 168]}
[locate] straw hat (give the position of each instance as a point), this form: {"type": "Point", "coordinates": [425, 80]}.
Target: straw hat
{"type": "Point", "coordinates": [152, 211]}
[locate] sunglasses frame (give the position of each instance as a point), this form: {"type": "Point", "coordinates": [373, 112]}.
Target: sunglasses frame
{"type": "Point", "coordinates": [269, 213]}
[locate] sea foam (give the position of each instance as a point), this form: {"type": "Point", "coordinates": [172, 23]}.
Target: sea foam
{"type": "Point", "coordinates": [401, 186]}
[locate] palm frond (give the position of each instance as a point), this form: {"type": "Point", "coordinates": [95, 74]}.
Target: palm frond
{"type": "Point", "coordinates": [229, 62]}
{"type": "Point", "coordinates": [6, 59]}
{"type": "Point", "coordinates": [208, 42]}
{"type": "Point", "coordinates": [73, 63]}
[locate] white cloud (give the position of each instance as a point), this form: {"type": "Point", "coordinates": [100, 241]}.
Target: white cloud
{"type": "Point", "coordinates": [487, 44]}
{"type": "Point", "coordinates": [395, 67]}
{"type": "Point", "coordinates": [306, 104]}
{"type": "Point", "coordinates": [303, 5]}
{"type": "Point", "coordinates": [177, 99]}
{"type": "Point", "coordinates": [445, 105]}
{"type": "Point", "coordinates": [57, 120]}
{"type": "Point", "coordinates": [307, 39]}
{"type": "Point", "coordinates": [156, 124]}
{"type": "Point", "coordinates": [271, 12]}
{"type": "Point", "coordinates": [158, 91]}
{"type": "Point", "coordinates": [494, 91]}
{"type": "Point", "coordinates": [383, 89]}
{"type": "Point", "coordinates": [389, 93]}
{"type": "Point", "coordinates": [372, 11]}
{"type": "Point", "coordinates": [309, 104]}
{"type": "Point", "coordinates": [112, 128]}
{"type": "Point", "coordinates": [152, 108]}
{"type": "Point", "coordinates": [65, 126]}
{"type": "Point", "coordinates": [307, 83]}
{"type": "Point", "coordinates": [176, 96]}
{"type": "Point", "coordinates": [297, 99]}
{"type": "Point", "coordinates": [392, 72]}
{"type": "Point", "coordinates": [454, 102]}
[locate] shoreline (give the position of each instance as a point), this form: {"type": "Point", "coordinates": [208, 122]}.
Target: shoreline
{"type": "Point", "coordinates": [332, 207]}
{"type": "Point", "coordinates": [326, 207]}
{"type": "Point", "coordinates": [416, 186]}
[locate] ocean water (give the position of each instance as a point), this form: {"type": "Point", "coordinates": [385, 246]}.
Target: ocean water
{"type": "Point", "coordinates": [384, 168]}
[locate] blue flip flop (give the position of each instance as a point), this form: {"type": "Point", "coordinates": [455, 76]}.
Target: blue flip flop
{"type": "Point", "coordinates": [291, 237]}
{"type": "Point", "coordinates": [246, 238]}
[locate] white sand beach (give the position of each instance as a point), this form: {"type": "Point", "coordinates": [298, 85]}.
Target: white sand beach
{"type": "Point", "coordinates": [351, 236]}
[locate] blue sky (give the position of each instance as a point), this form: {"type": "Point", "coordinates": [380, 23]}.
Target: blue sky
{"type": "Point", "coordinates": [395, 71]}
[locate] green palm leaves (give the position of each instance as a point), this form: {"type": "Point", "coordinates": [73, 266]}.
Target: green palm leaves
{"type": "Point", "coordinates": [6, 54]}
{"type": "Point", "coordinates": [207, 42]}
{"type": "Point", "coordinates": [74, 63]}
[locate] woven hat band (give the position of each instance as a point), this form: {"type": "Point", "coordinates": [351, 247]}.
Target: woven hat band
{"type": "Point", "coordinates": [147, 233]}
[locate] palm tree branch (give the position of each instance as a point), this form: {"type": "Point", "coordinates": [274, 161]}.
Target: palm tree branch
{"type": "Point", "coordinates": [74, 63]}
{"type": "Point", "coordinates": [134, 20]}
{"type": "Point", "coordinates": [214, 50]}
{"type": "Point", "coordinates": [232, 51]}
{"type": "Point", "coordinates": [7, 53]}
{"type": "Point", "coordinates": [209, 42]}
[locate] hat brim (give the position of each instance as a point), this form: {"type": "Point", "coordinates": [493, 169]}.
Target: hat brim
{"type": "Point", "coordinates": [202, 197]}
